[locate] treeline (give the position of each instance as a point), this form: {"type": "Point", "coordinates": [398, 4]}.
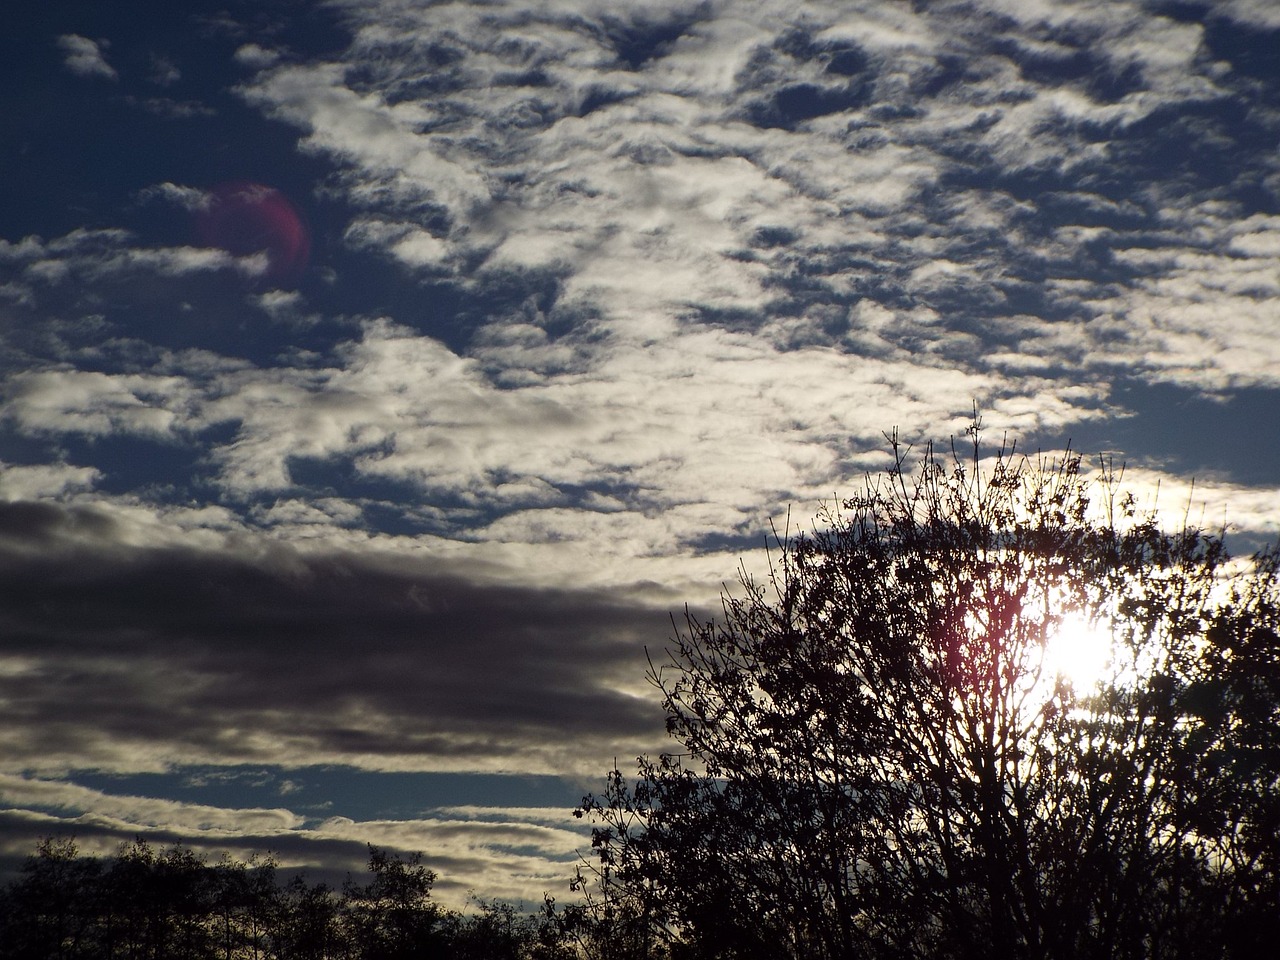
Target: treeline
{"type": "Point", "coordinates": [172, 904]}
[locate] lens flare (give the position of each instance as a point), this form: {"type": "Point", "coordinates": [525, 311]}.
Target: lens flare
{"type": "Point", "coordinates": [250, 219]}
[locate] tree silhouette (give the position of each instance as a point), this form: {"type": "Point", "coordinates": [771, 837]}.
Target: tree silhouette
{"type": "Point", "coordinates": [393, 917]}
{"type": "Point", "coordinates": [144, 904]}
{"type": "Point", "coordinates": [878, 759]}
{"type": "Point", "coordinates": [47, 915]}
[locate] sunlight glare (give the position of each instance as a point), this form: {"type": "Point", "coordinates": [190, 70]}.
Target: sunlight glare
{"type": "Point", "coordinates": [1079, 651]}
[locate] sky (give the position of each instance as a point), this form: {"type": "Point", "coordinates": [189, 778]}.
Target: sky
{"type": "Point", "coordinates": [378, 378]}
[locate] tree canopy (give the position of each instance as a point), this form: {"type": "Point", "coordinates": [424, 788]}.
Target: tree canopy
{"type": "Point", "coordinates": [148, 904]}
{"type": "Point", "coordinates": [880, 754]}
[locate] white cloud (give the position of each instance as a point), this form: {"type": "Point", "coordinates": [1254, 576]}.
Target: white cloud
{"type": "Point", "coordinates": [1212, 504]}
{"type": "Point", "coordinates": [38, 481]}
{"type": "Point", "coordinates": [28, 248]}
{"type": "Point", "coordinates": [84, 57]}
{"type": "Point", "coordinates": [702, 417]}
{"type": "Point", "coordinates": [1199, 311]}
{"type": "Point", "coordinates": [135, 811]}
{"type": "Point", "coordinates": [364, 129]}
{"type": "Point", "coordinates": [1256, 13]}
{"type": "Point", "coordinates": [187, 198]}
{"type": "Point", "coordinates": [516, 853]}
{"type": "Point", "coordinates": [85, 402]}
{"type": "Point", "coordinates": [406, 242]}
{"type": "Point", "coordinates": [256, 57]}
{"type": "Point", "coordinates": [94, 255]}
{"type": "Point", "coordinates": [801, 282]}
{"type": "Point", "coordinates": [490, 852]}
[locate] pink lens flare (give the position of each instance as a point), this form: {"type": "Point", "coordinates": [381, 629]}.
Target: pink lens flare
{"type": "Point", "coordinates": [246, 218]}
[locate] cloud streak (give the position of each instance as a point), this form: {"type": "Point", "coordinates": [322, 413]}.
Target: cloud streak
{"type": "Point", "coordinates": [515, 853]}
{"type": "Point", "coordinates": [135, 655]}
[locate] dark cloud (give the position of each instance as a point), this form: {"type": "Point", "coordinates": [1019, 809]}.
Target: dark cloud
{"type": "Point", "coordinates": [232, 654]}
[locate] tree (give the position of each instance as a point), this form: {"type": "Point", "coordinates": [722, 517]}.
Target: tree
{"type": "Point", "coordinates": [309, 925]}
{"type": "Point", "coordinates": [497, 931]}
{"type": "Point", "coordinates": [245, 907]}
{"type": "Point", "coordinates": [49, 913]}
{"type": "Point", "coordinates": [878, 758]}
{"type": "Point", "coordinates": [155, 904]}
{"type": "Point", "coordinates": [172, 904]}
{"type": "Point", "coordinates": [393, 916]}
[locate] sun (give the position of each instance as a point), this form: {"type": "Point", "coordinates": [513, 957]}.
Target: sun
{"type": "Point", "coordinates": [1079, 651]}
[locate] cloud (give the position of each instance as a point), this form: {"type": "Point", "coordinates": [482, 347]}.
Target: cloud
{"type": "Point", "coordinates": [150, 812]}
{"type": "Point", "coordinates": [191, 199]}
{"type": "Point", "coordinates": [260, 652]}
{"type": "Point", "coordinates": [84, 57]}
{"type": "Point", "coordinates": [668, 216]}
{"type": "Point", "coordinates": [164, 72]}
{"type": "Point", "coordinates": [107, 255]}
{"type": "Point", "coordinates": [763, 237]}
{"type": "Point", "coordinates": [1198, 310]}
{"type": "Point", "coordinates": [401, 407]}
{"type": "Point", "coordinates": [44, 481]}
{"type": "Point", "coordinates": [76, 401]}
{"type": "Point", "coordinates": [407, 242]}
{"type": "Point", "coordinates": [255, 57]}
{"type": "Point", "coordinates": [1214, 504]}
{"type": "Point", "coordinates": [486, 851]}
{"type": "Point", "coordinates": [1255, 13]}
{"type": "Point", "coordinates": [170, 109]}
